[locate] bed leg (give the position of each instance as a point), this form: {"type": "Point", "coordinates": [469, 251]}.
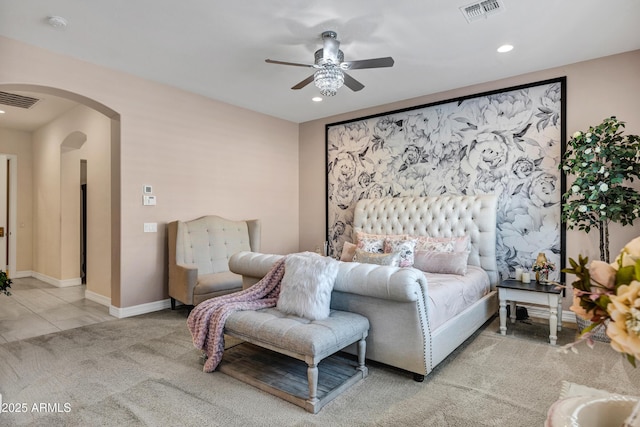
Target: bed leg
{"type": "Point", "coordinates": [418, 378]}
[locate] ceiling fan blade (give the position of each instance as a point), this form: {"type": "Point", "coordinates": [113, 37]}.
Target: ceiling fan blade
{"type": "Point", "coordinates": [295, 64]}
{"type": "Point", "coordinates": [303, 83]}
{"type": "Point", "coordinates": [368, 63]}
{"type": "Point", "coordinates": [352, 83]}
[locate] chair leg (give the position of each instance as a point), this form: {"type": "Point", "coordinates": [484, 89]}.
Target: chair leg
{"type": "Point", "coordinates": [173, 303]}
{"type": "Point", "coordinates": [312, 378]}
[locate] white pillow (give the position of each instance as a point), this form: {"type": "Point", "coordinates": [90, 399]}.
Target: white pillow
{"type": "Point", "coordinates": [305, 289]}
{"type": "Point", "coordinates": [406, 248]}
{"type": "Point", "coordinates": [374, 243]}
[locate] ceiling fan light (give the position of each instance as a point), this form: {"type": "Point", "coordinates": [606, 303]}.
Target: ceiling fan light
{"type": "Point", "coordinates": [328, 79]}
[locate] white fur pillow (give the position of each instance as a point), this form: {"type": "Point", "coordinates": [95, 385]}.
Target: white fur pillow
{"type": "Point", "coordinates": [306, 286]}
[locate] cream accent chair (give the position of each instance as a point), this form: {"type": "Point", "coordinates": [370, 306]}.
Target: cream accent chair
{"type": "Point", "coordinates": [199, 252]}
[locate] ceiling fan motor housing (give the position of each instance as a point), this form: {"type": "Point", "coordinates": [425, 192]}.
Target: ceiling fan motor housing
{"type": "Point", "coordinates": [319, 56]}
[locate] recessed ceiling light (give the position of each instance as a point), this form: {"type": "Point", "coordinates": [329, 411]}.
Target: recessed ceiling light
{"type": "Point", "coordinates": [316, 99]}
{"type": "Point", "coordinates": [1, 111]}
{"type": "Point", "coordinates": [505, 48]}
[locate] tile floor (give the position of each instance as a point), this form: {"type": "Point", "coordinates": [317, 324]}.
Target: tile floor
{"type": "Point", "coordinates": [37, 308]}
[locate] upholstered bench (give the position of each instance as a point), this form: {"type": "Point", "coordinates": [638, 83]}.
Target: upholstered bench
{"type": "Point", "coordinates": [302, 339]}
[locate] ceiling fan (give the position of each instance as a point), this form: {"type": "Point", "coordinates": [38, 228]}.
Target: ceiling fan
{"type": "Point", "coordinates": [330, 67]}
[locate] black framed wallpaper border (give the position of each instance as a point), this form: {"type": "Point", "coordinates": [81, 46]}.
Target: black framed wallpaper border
{"type": "Point", "coordinates": [507, 142]}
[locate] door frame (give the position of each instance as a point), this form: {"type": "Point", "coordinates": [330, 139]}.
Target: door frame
{"type": "Point", "coordinates": [12, 227]}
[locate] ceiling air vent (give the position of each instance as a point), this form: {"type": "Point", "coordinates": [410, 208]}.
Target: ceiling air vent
{"type": "Point", "coordinates": [14, 100]}
{"type": "Point", "coordinates": [474, 11]}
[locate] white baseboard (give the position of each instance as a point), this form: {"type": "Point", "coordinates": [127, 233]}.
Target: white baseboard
{"type": "Point", "coordinates": [139, 309]}
{"type": "Point", "coordinates": [57, 282]}
{"type": "Point", "coordinates": [100, 299]}
{"type": "Point", "coordinates": [540, 312]}
{"type": "Point", "coordinates": [22, 274]}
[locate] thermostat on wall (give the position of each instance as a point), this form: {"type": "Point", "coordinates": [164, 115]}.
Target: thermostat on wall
{"type": "Point", "coordinates": [147, 189]}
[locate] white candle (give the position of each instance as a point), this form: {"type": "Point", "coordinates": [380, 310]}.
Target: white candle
{"type": "Point", "coordinates": [526, 278]}
{"type": "Point", "coordinates": [518, 273]}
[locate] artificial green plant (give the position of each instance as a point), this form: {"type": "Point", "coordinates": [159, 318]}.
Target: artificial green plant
{"type": "Point", "coordinates": [604, 162]}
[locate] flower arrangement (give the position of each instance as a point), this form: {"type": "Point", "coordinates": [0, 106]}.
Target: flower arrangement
{"type": "Point", "coordinates": [544, 267]}
{"type": "Point", "coordinates": [608, 295]}
{"type": "Point", "coordinates": [603, 161]}
{"type": "Point", "coordinates": [5, 283]}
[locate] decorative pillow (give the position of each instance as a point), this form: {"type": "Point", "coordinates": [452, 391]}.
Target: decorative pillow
{"type": "Point", "coordinates": [442, 262]}
{"type": "Point", "coordinates": [392, 259]}
{"type": "Point", "coordinates": [406, 248]}
{"type": "Point", "coordinates": [374, 243]}
{"type": "Point", "coordinates": [348, 251]}
{"type": "Point", "coordinates": [442, 244]}
{"type": "Point", "coordinates": [305, 289]}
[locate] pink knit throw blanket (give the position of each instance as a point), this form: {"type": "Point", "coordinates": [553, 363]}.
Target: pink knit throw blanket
{"type": "Point", "coordinates": [206, 320]}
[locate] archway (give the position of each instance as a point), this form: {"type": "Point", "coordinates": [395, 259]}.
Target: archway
{"type": "Point", "coordinates": [114, 152]}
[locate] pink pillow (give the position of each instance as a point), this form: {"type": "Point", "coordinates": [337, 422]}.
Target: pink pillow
{"type": "Point", "coordinates": [348, 252]}
{"type": "Point", "coordinates": [442, 244]}
{"type": "Point", "coordinates": [442, 262]}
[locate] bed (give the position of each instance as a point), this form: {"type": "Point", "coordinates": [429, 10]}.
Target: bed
{"type": "Point", "coordinates": [408, 328]}
{"type": "Point", "coordinates": [443, 216]}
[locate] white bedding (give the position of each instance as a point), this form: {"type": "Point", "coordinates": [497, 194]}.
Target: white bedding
{"type": "Point", "coordinates": [450, 294]}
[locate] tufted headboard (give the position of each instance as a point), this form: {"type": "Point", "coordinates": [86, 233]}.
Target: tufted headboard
{"type": "Point", "coordinates": [437, 216]}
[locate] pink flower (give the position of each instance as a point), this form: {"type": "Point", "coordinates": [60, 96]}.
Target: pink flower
{"type": "Point", "coordinates": [624, 328]}
{"type": "Point", "coordinates": [603, 274]}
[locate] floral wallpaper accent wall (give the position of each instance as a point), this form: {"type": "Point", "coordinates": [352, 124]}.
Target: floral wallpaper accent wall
{"type": "Point", "coordinates": [507, 143]}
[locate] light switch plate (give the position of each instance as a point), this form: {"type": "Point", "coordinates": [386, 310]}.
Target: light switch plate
{"type": "Point", "coordinates": [150, 227]}
{"type": "Point", "coordinates": [149, 200]}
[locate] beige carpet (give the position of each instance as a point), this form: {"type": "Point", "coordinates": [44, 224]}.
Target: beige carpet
{"type": "Point", "coordinates": [145, 371]}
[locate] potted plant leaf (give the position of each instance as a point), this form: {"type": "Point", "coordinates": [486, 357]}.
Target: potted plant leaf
{"type": "Point", "coordinates": [5, 283]}
{"type": "Point", "coordinates": [604, 162]}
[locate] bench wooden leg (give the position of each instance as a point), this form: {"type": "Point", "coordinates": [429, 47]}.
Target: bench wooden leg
{"type": "Point", "coordinates": [312, 378]}
{"type": "Point", "coordinates": [362, 351]}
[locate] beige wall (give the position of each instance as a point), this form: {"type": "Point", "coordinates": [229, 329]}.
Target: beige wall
{"type": "Point", "coordinates": [58, 148]}
{"type": "Point", "coordinates": [201, 156]}
{"type": "Point", "coordinates": [19, 144]}
{"type": "Point", "coordinates": [595, 90]}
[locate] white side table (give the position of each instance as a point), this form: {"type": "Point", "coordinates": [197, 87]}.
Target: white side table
{"type": "Point", "coordinates": [532, 293]}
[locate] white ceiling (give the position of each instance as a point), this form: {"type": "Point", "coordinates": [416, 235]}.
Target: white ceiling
{"type": "Point", "coordinates": [218, 48]}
